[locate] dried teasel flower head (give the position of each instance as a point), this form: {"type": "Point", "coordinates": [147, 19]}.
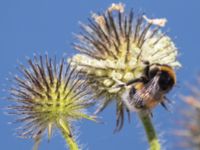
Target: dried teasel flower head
{"type": "Point", "coordinates": [113, 47]}
{"type": "Point", "coordinates": [48, 96]}
{"type": "Point", "coordinates": [190, 132]}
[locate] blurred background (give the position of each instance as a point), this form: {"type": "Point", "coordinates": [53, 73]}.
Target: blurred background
{"type": "Point", "coordinates": [40, 26]}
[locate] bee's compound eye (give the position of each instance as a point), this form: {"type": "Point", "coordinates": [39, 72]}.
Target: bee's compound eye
{"type": "Point", "coordinates": [153, 71]}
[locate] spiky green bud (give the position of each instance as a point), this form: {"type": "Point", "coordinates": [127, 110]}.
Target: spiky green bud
{"type": "Point", "coordinates": [49, 96]}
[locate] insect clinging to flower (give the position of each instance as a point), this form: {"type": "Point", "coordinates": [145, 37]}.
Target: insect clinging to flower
{"type": "Point", "coordinates": [150, 89]}
{"type": "Point", "coordinates": [47, 96]}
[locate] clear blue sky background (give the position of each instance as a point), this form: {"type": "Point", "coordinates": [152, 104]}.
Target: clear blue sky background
{"type": "Point", "coordinates": [39, 26]}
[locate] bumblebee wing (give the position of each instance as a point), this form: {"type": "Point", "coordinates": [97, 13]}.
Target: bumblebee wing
{"type": "Point", "coordinates": [141, 95]}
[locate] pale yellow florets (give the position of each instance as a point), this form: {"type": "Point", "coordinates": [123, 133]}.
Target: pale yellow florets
{"type": "Point", "coordinates": [164, 52]}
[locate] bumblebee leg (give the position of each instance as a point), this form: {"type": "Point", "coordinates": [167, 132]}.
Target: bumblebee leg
{"type": "Point", "coordinates": [141, 79]}
{"type": "Point", "coordinates": [164, 106]}
{"type": "Point", "coordinates": [168, 100]}
{"type": "Point", "coordinates": [121, 84]}
{"type": "Point", "coordinates": [151, 114]}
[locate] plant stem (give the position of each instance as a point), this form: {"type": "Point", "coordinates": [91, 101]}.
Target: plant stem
{"type": "Point", "coordinates": [67, 135]}
{"type": "Point", "coordinates": [150, 131]}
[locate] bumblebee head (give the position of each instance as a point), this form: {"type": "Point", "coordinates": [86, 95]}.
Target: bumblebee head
{"type": "Point", "coordinates": [166, 75]}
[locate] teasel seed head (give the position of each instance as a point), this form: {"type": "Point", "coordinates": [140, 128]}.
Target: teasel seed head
{"type": "Point", "coordinates": [48, 96]}
{"type": "Point", "coordinates": [190, 121]}
{"type": "Point", "coordinates": [113, 47]}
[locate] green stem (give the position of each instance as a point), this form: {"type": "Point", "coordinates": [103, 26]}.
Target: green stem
{"type": "Point", "coordinates": [37, 142]}
{"type": "Point", "coordinates": [67, 135]}
{"type": "Point", "coordinates": [150, 131]}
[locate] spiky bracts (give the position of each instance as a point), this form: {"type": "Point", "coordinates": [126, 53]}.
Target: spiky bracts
{"type": "Point", "coordinates": [190, 122]}
{"type": "Point", "coordinates": [48, 96]}
{"type": "Point", "coordinates": [113, 48]}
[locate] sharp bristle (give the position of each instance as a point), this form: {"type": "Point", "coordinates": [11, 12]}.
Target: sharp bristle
{"type": "Point", "coordinates": [73, 85]}
{"type": "Point", "coordinates": [154, 31]}
{"type": "Point", "coordinates": [33, 68]}
{"type": "Point", "coordinates": [113, 27]}
{"type": "Point", "coordinates": [116, 48]}
{"type": "Point", "coordinates": [98, 30]}
{"type": "Point", "coordinates": [125, 26]}
{"type": "Point", "coordinates": [143, 35]}
{"type": "Point", "coordinates": [137, 28]}
{"type": "Point", "coordinates": [119, 116]}
{"type": "Point", "coordinates": [49, 69]}
{"type": "Point", "coordinates": [107, 24]}
{"type": "Point", "coordinates": [25, 72]}
{"type": "Point", "coordinates": [120, 22]}
{"type": "Point", "coordinates": [43, 76]}
{"type": "Point", "coordinates": [67, 69]}
{"type": "Point", "coordinates": [69, 78]}
{"type": "Point", "coordinates": [42, 64]}
{"type": "Point", "coordinates": [59, 78]}
{"type": "Point", "coordinates": [159, 38]}
{"type": "Point", "coordinates": [55, 66]}
{"type": "Point", "coordinates": [102, 34]}
{"type": "Point", "coordinates": [130, 23]}
{"type": "Point", "coordinates": [106, 101]}
{"type": "Point", "coordinates": [128, 34]}
{"type": "Point", "coordinates": [19, 92]}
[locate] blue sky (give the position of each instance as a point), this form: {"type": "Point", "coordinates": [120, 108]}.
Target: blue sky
{"type": "Point", "coordinates": [39, 26]}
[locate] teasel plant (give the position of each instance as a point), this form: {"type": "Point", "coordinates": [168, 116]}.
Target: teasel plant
{"type": "Point", "coordinates": [49, 96]}
{"type": "Point", "coordinates": [113, 47]}
{"type": "Point", "coordinates": [189, 131]}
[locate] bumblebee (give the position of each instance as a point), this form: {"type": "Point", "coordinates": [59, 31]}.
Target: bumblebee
{"type": "Point", "coordinates": [150, 89]}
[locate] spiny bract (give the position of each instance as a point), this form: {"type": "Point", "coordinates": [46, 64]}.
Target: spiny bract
{"type": "Point", "coordinates": [113, 48]}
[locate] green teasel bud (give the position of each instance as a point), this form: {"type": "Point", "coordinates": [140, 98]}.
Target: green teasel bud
{"type": "Point", "coordinates": [113, 47]}
{"type": "Point", "coordinates": [47, 96]}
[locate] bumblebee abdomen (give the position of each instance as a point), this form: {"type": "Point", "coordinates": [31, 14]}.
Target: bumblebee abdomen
{"type": "Point", "coordinates": [151, 103]}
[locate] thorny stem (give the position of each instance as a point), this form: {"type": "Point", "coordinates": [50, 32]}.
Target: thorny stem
{"type": "Point", "coordinates": [67, 135]}
{"type": "Point", "coordinates": [150, 131]}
